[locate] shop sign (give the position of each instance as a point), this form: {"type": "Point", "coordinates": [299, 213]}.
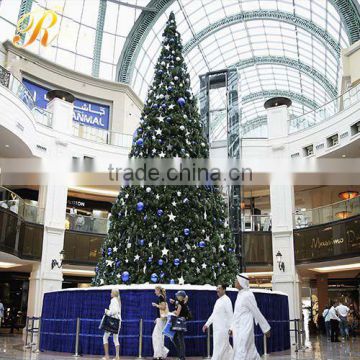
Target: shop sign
{"type": "Point", "coordinates": [85, 112]}
{"type": "Point", "coordinates": [331, 241]}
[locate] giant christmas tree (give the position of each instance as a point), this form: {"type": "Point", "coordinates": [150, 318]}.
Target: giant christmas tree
{"type": "Point", "coordinates": [168, 234]}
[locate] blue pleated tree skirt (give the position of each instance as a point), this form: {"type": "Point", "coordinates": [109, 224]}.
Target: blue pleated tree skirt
{"type": "Point", "coordinates": [62, 308]}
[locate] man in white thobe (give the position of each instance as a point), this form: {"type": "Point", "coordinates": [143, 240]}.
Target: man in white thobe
{"type": "Point", "coordinates": [242, 326]}
{"type": "Point", "coordinates": [221, 320]}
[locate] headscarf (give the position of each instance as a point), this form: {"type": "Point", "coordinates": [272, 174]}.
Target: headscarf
{"type": "Point", "coordinates": [243, 281]}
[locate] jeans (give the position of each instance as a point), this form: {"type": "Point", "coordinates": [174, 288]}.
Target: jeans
{"type": "Point", "coordinates": [344, 327]}
{"type": "Point", "coordinates": [179, 343]}
{"type": "Point", "coordinates": [334, 330]}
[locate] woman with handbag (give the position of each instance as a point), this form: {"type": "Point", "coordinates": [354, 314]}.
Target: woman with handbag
{"type": "Point", "coordinates": [114, 311]}
{"type": "Point", "coordinates": [160, 351]}
{"type": "Point", "coordinates": [182, 313]}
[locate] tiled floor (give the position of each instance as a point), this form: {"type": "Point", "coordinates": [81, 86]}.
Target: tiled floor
{"type": "Point", "coordinates": [11, 347]}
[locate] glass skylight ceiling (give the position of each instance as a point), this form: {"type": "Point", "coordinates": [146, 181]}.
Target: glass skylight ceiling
{"type": "Point", "coordinates": [254, 38]}
{"type": "Point", "coordinates": [287, 57]}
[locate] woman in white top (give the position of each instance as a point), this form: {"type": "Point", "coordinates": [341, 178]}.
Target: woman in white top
{"type": "Point", "coordinates": [113, 311]}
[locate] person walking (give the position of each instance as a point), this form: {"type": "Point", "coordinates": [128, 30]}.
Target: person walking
{"type": "Point", "coordinates": [242, 327]}
{"type": "Point", "coordinates": [326, 316]}
{"type": "Point", "coordinates": [181, 311]}
{"type": "Point", "coordinates": [221, 320]}
{"type": "Point", "coordinates": [115, 312]}
{"type": "Point", "coordinates": [2, 311]}
{"type": "Point", "coordinates": [160, 351]}
{"type": "Point", "coordinates": [334, 323]}
{"type": "Point", "coordinates": [343, 312]}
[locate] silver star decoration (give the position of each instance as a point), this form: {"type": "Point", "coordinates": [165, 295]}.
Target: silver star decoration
{"type": "Point", "coordinates": [126, 196]}
{"type": "Point", "coordinates": [172, 217]}
{"type": "Point", "coordinates": [129, 245]}
{"type": "Point", "coordinates": [109, 263]}
{"type": "Point", "coordinates": [222, 247]}
{"type": "Point", "coordinates": [158, 132]}
{"type": "Point", "coordinates": [176, 240]}
{"type": "Point", "coordinates": [173, 203]}
{"type": "Point", "coordinates": [171, 106]}
{"type": "Point", "coordinates": [150, 244]}
{"type": "Point", "coordinates": [115, 249]}
{"type": "Point", "coordinates": [198, 270]}
{"type": "Point", "coordinates": [169, 147]}
{"type": "Point", "coordinates": [137, 257]}
{"type": "Point", "coordinates": [118, 276]}
{"type": "Point", "coordinates": [226, 224]}
{"type": "Point", "coordinates": [161, 119]}
{"type": "Point", "coordinates": [157, 196]}
{"type": "Point", "coordinates": [179, 193]}
{"type": "Point", "coordinates": [153, 137]}
{"type": "Point", "coordinates": [181, 280]}
{"type": "Point", "coordinates": [188, 246]}
{"type": "Point", "coordinates": [164, 251]}
{"type": "Point", "coordinates": [126, 260]}
{"type": "Point", "coordinates": [204, 266]}
{"type": "Point", "coordinates": [155, 226]}
{"type": "Point", "coordinates": [162, 154]}
{"type": "Point", "coordinates": [207, 238]}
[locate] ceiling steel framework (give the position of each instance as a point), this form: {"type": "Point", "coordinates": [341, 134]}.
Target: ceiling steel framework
{"type": "Point", "coordinates": [348, 10]}
{"type": "Point", "coordinates": [295, 64]}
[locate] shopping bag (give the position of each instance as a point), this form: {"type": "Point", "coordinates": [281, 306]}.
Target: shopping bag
{"type": "Point", "coordinates": [110, 324]}
{"type": "Point", "coordinates": [178, 324]}
{"type": "Point", "coordinates": [168, 332]}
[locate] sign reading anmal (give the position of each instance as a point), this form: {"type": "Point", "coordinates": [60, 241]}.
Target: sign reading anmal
{"type": "Point", "coordinates": [85, 112]}
{"type": "Point", "coordinates": [330, 241]}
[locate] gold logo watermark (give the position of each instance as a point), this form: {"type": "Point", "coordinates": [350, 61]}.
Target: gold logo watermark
{"type": "Point", "coordinates": [29, 23]}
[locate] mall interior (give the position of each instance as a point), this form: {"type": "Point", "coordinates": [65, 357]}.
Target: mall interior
{"type": "Point", "coordinates": [297, 78]}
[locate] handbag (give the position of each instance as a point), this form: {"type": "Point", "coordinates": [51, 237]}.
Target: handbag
{"type": "Point", "coordinates": [178, 324]}
{"type": "Point", "coordinates": [168, 332]}
{"type": "Point", "coordinates": [110, 324]}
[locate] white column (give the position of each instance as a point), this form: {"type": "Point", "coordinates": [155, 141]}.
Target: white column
{"type": "Point", "coordinates": [62, 113]}
{"type": "Point", "coordinates": [282, 208]}
{"type": "Point", "coordinates": [52, 197]}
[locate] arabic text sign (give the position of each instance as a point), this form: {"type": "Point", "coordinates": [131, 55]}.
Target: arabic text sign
{"type": "Point", "coordinates": [85, 112]}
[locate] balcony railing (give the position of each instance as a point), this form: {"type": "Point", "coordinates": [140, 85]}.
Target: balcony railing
{"type": "Point", "coordinates": [8, 80]}
{"type": "Point", "coordinates": [326, 111]}
{"type": "Point", "coordinates": [256, 223]}
{"type": "Point", "coordinates": [102, 136]}
{"type": "Point", "coordinates": [325, 214]}
{"type": "Point", "coordinates": [89, 224]}
{"type": "Point", "coordinates": [14, 203]}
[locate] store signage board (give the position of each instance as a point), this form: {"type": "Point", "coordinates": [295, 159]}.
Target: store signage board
{"type": "Point", "coordinates": [85, 112]}
{"type": "Point", "coordinates": [327, 242]}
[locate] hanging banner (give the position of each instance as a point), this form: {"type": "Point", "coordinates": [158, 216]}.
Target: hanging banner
{"type": "Point", "coordinates": [85, 112]}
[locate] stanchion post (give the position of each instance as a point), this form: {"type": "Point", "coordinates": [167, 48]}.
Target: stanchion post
{"type": "Point", "coordinates": [27, 333]}
{"type": "Point", "coordinates": [32, 331]}
{"type": "Point", "coordinates": [37, 350]}
{"type": "Point", "coordinates": [265, 345]}
{"type": "Point", "coordinates": [296, 335]}
{"type": "Point", "coordinates": [76, 355]}
{"type": "Point", "coordinates": [140, 338]}
{"type": "Point", "coordinates": [208, 343]}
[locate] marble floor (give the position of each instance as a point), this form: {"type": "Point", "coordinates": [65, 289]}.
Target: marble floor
{"type": "Point", "coordinates": [11, 347]}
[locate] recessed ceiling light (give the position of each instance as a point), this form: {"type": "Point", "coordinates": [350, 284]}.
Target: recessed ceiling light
{"type": "Point", "coordinates": [337, 268]}
{"type": "Point", "coordinates": [7, 265]}
{"type": "Point", "coordinates": [343, 155]}
{"type": "Point", "coordinates": [7, 146]}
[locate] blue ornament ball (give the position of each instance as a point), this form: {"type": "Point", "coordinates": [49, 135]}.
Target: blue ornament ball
{"type": "Point", "coordinates": [161, 262]}
{"type": "Point", "coordinates": [109, 251]}
{"type": "Point", "coordinates": [202, 244]}
{"type": "Point", "coordinates": [160, 213]}
{"type": "Point", "coordinates": [160, 72]}
{"type": "Point", "coordinates": [154, 106]}
{"type": "Point", "coordinates": [163, 106]}
{"type": "Point", "coordinates": [170, 88]}
{"type": "Point", "coordinates": [140, 142]}
{"type": "Point", "coordinates": [177, 262]}
{"type": "Point", "coordinates": [150, 259]}
{"type": "Point", "coordinates": [169, 119]}
{"type": "Point", "coordinates": [172, 281]}
{"type": "Point", "coordinates": [154, 278]}
{"type": "Point", "coordinates": [118, 263]}
{"type": "Point", "coordinates": [162, 274]}
{"type": "Point", "coordinates": [140, 206]}
{"type": "Point", "coordinates": [141, 242]}
{"type": "Point", "coordinates": [181, 101]}
{"type": "Point", "coordinates": [186, 232]}
{"type": "Point", "coordinates": [145, 217]}
{"type": "Point", "coordinates": [125, 276]}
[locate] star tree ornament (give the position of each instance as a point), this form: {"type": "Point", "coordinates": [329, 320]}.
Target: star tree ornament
{"type": "Point", "coordinates": [159, 234]}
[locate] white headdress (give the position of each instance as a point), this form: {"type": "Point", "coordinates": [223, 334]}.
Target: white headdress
{"type": "Point", "coordinates": [243, 281]}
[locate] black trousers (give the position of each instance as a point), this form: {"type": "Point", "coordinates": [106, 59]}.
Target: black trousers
{"type": "Point", "coordinates": [179, 343]}
{"type": "Point", "coordinates": [334, 330]}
